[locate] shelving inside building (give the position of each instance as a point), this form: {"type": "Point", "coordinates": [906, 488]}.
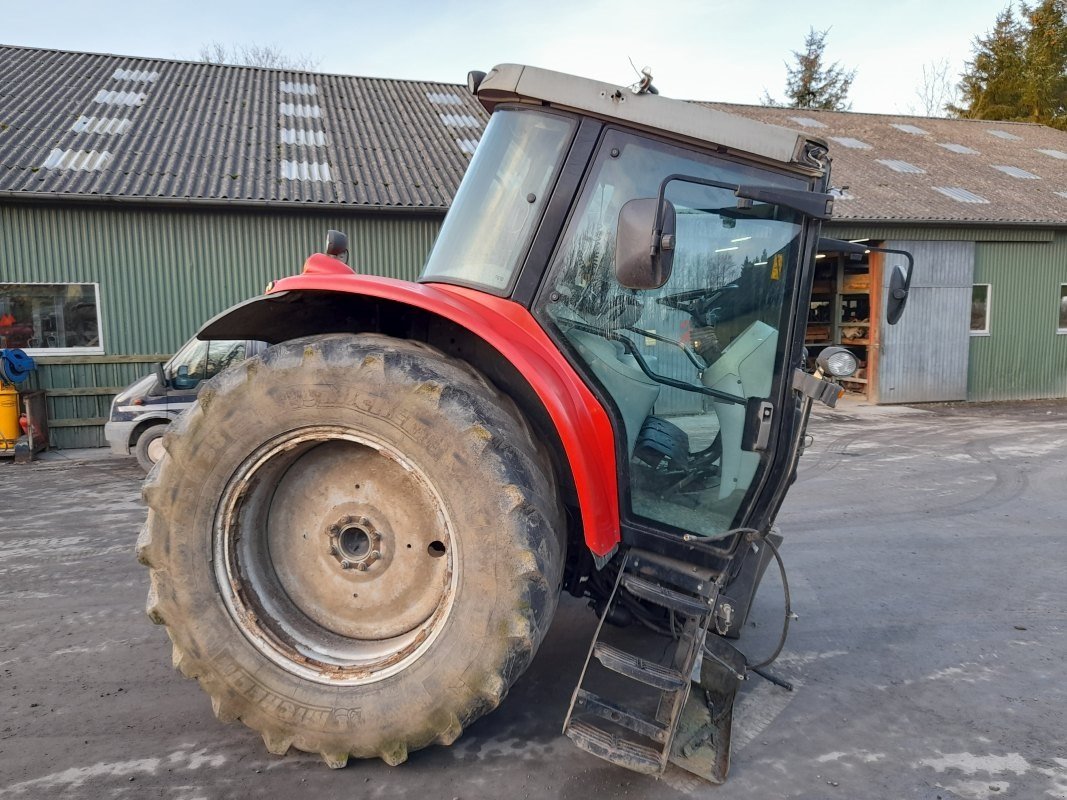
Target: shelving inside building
{"type": "Point", "coordinates": [843, 311]}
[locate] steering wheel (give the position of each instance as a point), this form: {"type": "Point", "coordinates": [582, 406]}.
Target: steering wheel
{"type": "Point", "coordinates": [697, 303]}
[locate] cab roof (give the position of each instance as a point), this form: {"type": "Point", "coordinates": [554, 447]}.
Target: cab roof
{"type": "Point", "coordinates": [516, 83]}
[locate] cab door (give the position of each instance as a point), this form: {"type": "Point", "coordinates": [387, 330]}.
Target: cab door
{"type": "Point", "coordinates": [719, 323]}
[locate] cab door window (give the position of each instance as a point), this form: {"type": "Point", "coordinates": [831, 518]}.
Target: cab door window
{"type": "Point", "coordinates": [715, 325]}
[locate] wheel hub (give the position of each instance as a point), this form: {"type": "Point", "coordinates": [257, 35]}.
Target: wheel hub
{"type": "Point", "coordinates": [354, 542]}
{"type": "Point", "coordinates": [335, 553]}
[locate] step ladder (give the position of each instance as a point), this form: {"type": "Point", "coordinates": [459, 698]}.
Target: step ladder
{"type": "Point", "coordinates": [690, 728]}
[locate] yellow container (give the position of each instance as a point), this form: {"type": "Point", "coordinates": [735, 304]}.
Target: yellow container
{"type": "Point", "coordinates": [9, 416]}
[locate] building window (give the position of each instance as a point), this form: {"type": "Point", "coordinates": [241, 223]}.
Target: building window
{"type": "Point", "coordinates": [47, 319]}
{"type": "Point", "coordinates": [1061, 326]}
{"type": "Point", "coordinates": [980, 297]}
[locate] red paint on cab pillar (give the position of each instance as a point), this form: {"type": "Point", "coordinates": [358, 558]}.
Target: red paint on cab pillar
{"type": "Point", "coordinates": [583, 425]}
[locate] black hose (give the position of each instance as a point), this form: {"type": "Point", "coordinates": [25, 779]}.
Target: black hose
{"type": "Point", "coordinates": [788, 607]}
{"type": "Point", "coordinates": [770, 676]}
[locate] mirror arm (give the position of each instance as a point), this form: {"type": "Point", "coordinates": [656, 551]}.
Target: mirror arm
{"type": "Point", "coordinates": [657, 231]}
{"type": "Point", "coordinates": [911, 265]}
{"type": "Point", "coordinates": [818, 205]}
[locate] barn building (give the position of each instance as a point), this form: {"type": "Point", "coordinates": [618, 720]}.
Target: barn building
{"type": "Point", "coordinates": [139, 197]}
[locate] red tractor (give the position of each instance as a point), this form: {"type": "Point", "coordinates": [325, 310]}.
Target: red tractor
{"type": "Point", "coordinates": [357, 540]}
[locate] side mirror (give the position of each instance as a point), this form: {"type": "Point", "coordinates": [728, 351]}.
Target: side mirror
{"type": "Point", "coordinates": [337, 245]}
{"type": "Point", "coordinates": [644, 248]}
{"type": "Point", "coordinates": [181, 379]}
{"type": "Point", "coordinates": [899, 280]}
{"type": "Point", "coordinates": [897, 296]}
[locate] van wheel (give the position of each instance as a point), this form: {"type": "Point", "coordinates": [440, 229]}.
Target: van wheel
{"type": "Point", "coordinates": [149, 447]}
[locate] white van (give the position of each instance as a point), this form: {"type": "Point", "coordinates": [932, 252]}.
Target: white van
{"type": "Point", "coordinates": [141, 412]}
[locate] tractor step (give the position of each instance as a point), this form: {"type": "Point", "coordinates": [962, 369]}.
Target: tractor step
{"type": "Point", "coordinates": [647, 672]}
{"type": "Point", "coordinates": [609, 747]}
{"type": "Point", "coordinates": [690, 594]}
{"type": "Point", "coordinates": [627, 718]}
{"type": "Point", "coordinates": [655, 593]}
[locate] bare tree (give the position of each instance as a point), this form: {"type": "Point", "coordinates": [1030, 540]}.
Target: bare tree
{"type": "Point", "coordinates": [938, 89]}
{"type": "Point", "coordinates": [256, 55]}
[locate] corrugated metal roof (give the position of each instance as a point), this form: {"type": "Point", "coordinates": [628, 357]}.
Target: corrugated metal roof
{"type": "Point", "coordinates": [955, 154]}
{"type": "Point", "coordinates": [177, 130]}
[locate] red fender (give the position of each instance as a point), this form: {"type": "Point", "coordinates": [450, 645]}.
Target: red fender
{"type": "Point", "coordinates": [583, 426]}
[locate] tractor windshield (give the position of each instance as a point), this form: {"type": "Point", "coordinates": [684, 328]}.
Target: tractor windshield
{"type": "Point", "coordinates": [681, 362]}
{"type": "Point", "coordinates": [500, 200]}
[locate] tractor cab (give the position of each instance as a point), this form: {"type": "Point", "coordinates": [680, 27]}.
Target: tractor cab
{"type": "Point", "coordinates": [665, 248]}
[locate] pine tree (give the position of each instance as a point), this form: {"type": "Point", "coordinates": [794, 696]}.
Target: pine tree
{"type": "Point", "coordinates": [1019, 69]}
{"type": "Point", "coordinates": [811, 84]}
{"type": "Point", "coordinates": [1044, 97]}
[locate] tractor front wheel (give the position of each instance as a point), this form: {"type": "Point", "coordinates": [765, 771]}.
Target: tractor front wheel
{"type": "Point", "coordinates": [354, 544]}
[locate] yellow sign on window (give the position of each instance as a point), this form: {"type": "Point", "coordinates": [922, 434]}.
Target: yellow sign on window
{"type": "Point", "coordinates": [776, 266]}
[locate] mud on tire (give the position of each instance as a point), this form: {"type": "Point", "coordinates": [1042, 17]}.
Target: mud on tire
{"type": "Point", "coordinates": [354, 546]}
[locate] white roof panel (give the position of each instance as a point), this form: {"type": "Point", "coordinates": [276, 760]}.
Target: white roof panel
{"type": "Point", "coordinates": [900, 166]}
{"type": "Point", "coordinates": [959, 148]}
{"type": "Point", "coordinates": [1016, 172]}
{"type": "Point", "coordinates": [807, 122]}
{"type": "Point", "coordinates": [913, 129]}
{"type": "Point", "coordinates": [852, 144]}
{"type": "Point", "coordinates": [960, 195]}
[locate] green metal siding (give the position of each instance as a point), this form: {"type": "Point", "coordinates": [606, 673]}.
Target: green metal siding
{"type": "Point", "coordinates": [164, 271]}
{"type": "Point", "coordinates": [1022, 358]}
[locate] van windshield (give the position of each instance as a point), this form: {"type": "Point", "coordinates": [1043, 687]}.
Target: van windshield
{"type": "Point", "coordinates": [205, 359]}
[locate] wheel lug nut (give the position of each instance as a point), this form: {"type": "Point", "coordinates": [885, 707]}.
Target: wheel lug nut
{"type": "Point", "coordinates": [346, 565]}
{"type": "Point", "coordinates": [335, 529]}
{"type": "Point", "coordinates": [375, 554]}
{"type": "Point", "coordinates": [361, 566]}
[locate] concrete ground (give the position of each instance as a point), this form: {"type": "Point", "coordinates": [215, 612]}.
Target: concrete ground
{"type": "Point", "coordinates": [926, 551]}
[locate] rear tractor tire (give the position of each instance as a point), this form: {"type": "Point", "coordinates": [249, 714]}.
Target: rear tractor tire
{"type": "Point", "coordinates": [354, 544]}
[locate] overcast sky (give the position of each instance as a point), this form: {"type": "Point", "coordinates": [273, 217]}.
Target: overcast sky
{"type": "Point", "coordinates": [726, 50]}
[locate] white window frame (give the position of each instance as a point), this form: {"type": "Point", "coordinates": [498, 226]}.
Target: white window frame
{"type": "Point", "coordinates": [39, 352]}
{"type": "Point", "coordinates": [1059, 305]}
{"type": "Point", "coordinates": [988, 309]}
